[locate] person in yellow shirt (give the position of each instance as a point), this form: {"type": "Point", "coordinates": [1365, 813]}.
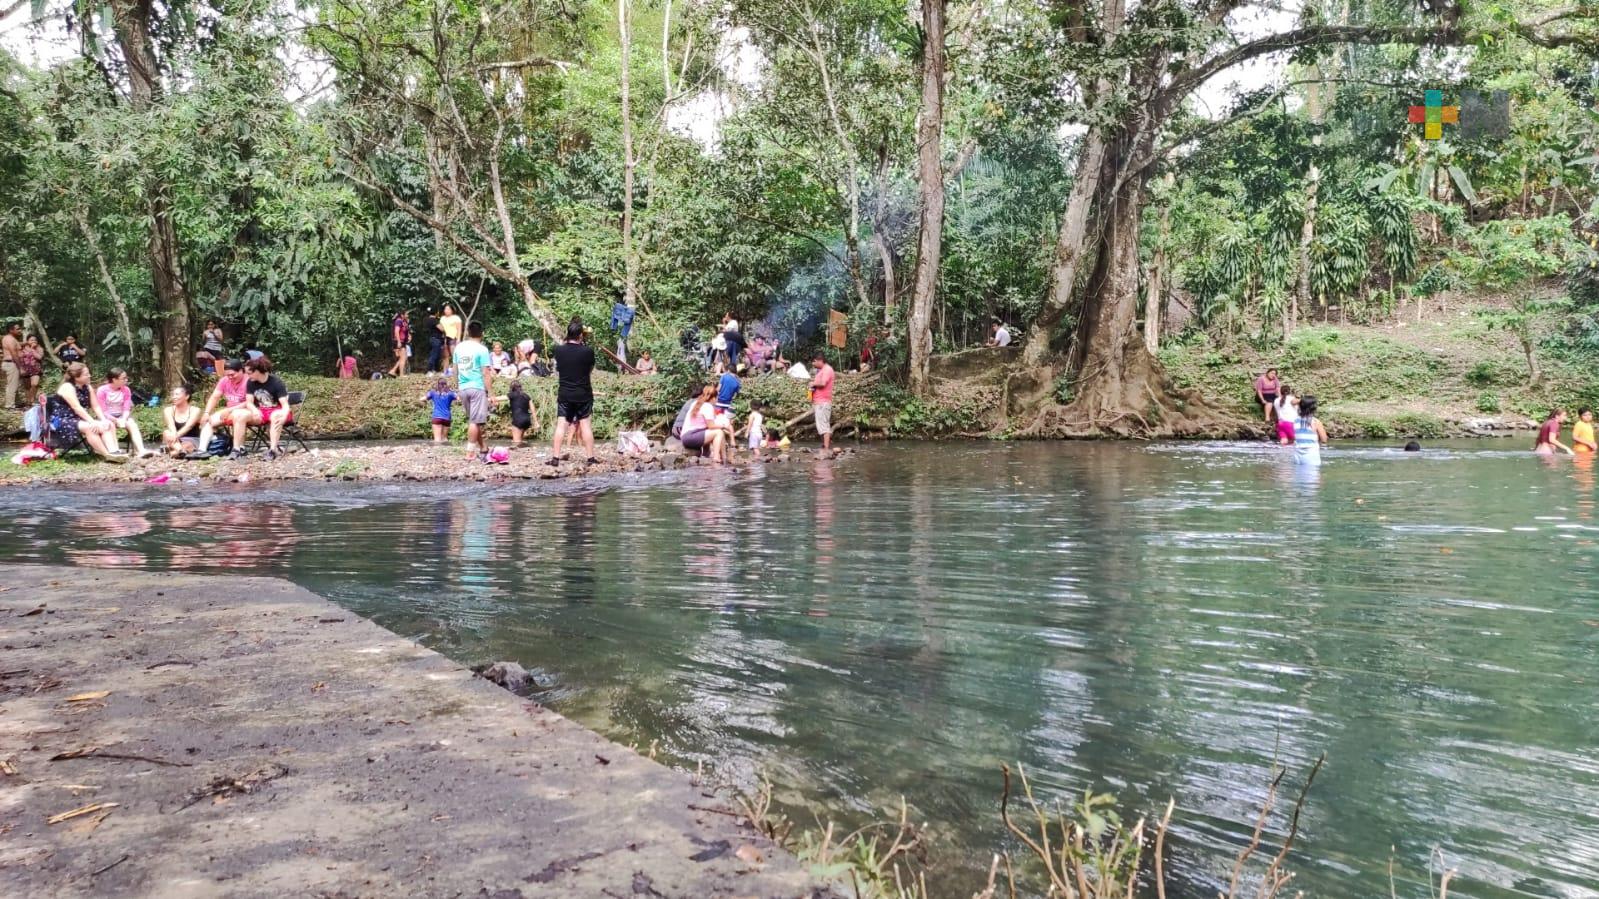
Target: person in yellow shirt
{"type": "Point", "coordinates": [1582, 432]}
{"type": "Point", "coordinates": [450, 324]}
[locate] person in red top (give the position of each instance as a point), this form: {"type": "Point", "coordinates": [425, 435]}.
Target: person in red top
{"type": "Point", "coordinates": [1267, 386]}
{"type": "Point", "coordinates": [869, 351]}
{"type": "Point", "coordinates": [1549, 435]}
{"type": "Point", "coordinates": [402, 343]}
{"type": "Point", "coordinates": [822, 400]}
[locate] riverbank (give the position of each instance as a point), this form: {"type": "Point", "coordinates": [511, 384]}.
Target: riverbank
{"type": "Point", "coordinates": [1448, 375]}
{"type": "Point", "coordinates": [179, 735]}
{"type": "Point", "coordinates": [377, 462]}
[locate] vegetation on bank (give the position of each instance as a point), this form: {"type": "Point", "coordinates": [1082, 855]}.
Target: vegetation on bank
{"type": "Point", "coordinates": [1452, 373]}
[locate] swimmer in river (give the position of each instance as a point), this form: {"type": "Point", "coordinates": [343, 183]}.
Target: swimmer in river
{"type": "Point", "coordinates": [1286, 408]}
{"type": "Point", "coordinates": [1309, 435]}
{"type": "Point", "coordinates": [1582, 441]}
{"type": "Point", "coordinates": [1549, 435]}
{"type": "Point", "coordinates": [1413, 447]}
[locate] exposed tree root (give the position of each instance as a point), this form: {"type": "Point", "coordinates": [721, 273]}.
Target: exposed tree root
{"type": "Point", "coordinates": [1138, 403]}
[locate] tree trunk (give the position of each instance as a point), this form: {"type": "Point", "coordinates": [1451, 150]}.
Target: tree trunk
{"type": "Point", "coordinates": [124, 322]}
{"type": "Point", "coordinates": [930, 182]}
{"type": "Point", "coordinates": [513, 264]}
{"type": "Point", "coordinates": [1071, 244]}
{"type": "Point", "coordinates": [629, 261]}
{"type": "Point", "coordinates": [132, 25]}
{"type": "Point", "coordinates": [885, 255]}
{"type": "Point", "coordinates": [1307, 238]}
{"type": "Point", "coordinates": [1533, 371]}
{"type": "Point", "coordinates": [1155, 292]}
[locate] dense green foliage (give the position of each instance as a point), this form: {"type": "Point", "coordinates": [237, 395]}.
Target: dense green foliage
{"type": "Point", "coordinates": [328, 166]}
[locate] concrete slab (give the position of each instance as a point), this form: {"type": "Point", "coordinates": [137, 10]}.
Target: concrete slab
{"type": "Point", "coordinates": [254, 739]}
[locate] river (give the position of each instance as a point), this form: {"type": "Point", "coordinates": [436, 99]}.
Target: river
{"type": "Point", "coordinates": [1154, 621]}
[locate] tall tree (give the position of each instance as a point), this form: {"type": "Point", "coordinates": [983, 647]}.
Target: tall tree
{"type": "Point", "coordinates": [1142, 69]}
{"type": "Point", "coordinates": [133, 22]}
{"type": "Point", "coordinates": [930, 188]}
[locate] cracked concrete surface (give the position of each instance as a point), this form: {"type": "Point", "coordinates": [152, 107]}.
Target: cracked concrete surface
{"type": "Point", "coordinates": [258, 740]}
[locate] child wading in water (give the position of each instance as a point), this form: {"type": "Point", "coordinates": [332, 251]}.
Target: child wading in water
{"type": "Point", "coordinates": [521, 413]}
{"type": "Point", "coordinates": [1287, 408]}
{"type": "Point", "coordinates": [757, 425]}
{"type": "Point", "coordinates": [442, 397]}
{"type": "Point", "coordinates": [1309, 435]}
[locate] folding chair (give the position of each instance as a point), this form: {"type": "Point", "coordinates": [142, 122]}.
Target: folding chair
{"type": "Point", "coordinates": [261, 434]}
{"type": "Point", "coordinates": [54, 440]}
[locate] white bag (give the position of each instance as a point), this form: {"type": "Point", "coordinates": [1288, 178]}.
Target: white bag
{"type": "Point", "coordinates": [632, 443]}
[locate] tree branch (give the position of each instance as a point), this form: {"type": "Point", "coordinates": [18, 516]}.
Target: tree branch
{"type": "Point", "coordinates": [1323, 35]}
{"type": "Point", "coordinates": [531, 62]}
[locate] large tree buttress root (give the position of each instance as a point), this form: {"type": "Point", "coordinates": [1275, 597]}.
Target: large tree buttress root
{"type": "Point", "coordinates": [1132, 400]}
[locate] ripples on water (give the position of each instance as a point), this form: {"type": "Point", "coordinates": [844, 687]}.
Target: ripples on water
{"type": "Point", "coordinates": [1158, 621]}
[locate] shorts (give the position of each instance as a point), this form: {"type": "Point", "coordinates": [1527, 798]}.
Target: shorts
{"type": "Point", "coordinates": [1285, 431]}
{"type": "Point", "coordinates": [824, 418]}
{"type": "Point", "coordinates": [694, 440]}
{"type": "Point", "coordinates": [1269, 398]}
{"type": "Point", "coordinates": [476, 403]}
{"type": "Point", "coordinates": [522, 422]}
{"type": "Point", "coordinates": [268, 411]}
{"type": "Point", "coordinates": [189, 444]}
{"type": "Point", "coordinates": [442, 421]}
{"type": "Point", "coordinates": [574, 412]}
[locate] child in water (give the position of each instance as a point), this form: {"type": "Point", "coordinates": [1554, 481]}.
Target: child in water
{"type": "Point", "coordinates": [1309, 435]}
{"type": "Point", "coordinates": [1287, 409]}
{"type": "Point", "coordinates": [1549, 435]}
{"type": "Point", "coordinates": [521, 413]}
{"type": "Point", "coordinates": [442, 397]}
{"type": "Point", "coordinates": [757, 425]}
{"type": "Point", "coordinates": [1582, 440]}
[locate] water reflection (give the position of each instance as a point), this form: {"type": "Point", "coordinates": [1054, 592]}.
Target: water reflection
{"type": "Point", "coordinates": [1160, 622]}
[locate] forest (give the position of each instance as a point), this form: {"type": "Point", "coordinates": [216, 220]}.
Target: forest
{"type": "Point", "coordinates": [1114, 181]}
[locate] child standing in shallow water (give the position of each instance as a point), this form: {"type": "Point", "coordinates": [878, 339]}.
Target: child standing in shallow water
{"type": "Point", "coordinates": [442, 397]}
{"type": "Point", "coordinates": [1309, 435]}
{"type": "Point", "coordinates": [1287, 409]}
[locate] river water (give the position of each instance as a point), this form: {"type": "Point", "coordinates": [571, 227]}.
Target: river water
{"type": "Point", "coordinates": [1155, 621]}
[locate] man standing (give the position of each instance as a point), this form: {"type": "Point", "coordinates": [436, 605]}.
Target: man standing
{"type": "Point", "coordinates": [450, 327]}
{"type": "Point", "coordinates": [433, 340]}
{"type": "Point", "coordinates": [574, 402]}
{"type": "Point", "coordinates": [474, 377]}
{"type": "Point", "coordinates": [822, 400]}
{"type": "Point", "coordinates": [10, 359]}
{"type": "Point", "coordinates": [402, 342]}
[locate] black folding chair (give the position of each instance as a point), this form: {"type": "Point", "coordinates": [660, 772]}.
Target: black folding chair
{"type": "Point", "coordinates": [261, 434]}
{"type": "Point", "coordinates": [55, 441]}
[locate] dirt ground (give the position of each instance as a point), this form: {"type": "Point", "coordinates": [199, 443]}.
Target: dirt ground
{"type": "Point", "coordinates": [176, 735]}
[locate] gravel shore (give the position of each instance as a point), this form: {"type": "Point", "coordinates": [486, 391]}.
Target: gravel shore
{"type": "Point", "coordinates": [377, 462]}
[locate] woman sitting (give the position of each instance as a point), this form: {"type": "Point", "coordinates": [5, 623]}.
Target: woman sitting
{"type": "Point", "coordinates": [180, 435]}
{"type": "Point", "coordinates": [699, 432]}
{"type": "Point", "coordinates": [501, 361]}
{"type": "Point", "coordinates": [73, 413]}
{"type": "Point", "coordinates": [646, 364]}
{"type": "Point", "coordinates": [116, 405]}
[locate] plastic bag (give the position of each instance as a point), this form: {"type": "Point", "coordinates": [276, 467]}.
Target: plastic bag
{"type": "Point", "coordinates": [632, 443]}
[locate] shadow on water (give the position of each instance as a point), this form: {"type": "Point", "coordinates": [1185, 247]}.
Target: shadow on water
{"type": "Point", "coordinates": [1162, 621]}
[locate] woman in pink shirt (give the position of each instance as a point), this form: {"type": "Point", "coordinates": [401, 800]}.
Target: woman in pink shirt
{"type": "Point", "coordinates": [116, 401]}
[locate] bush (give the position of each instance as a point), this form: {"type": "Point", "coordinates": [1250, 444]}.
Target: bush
{"type": "Point", "coordinates": [1488, 402]}
{"type": "Point", "coordinates": [1309, 346]}
{"type": "Point", "coordinates": [1416, 424]}
{"type": "Point", "coordinates": [1483, 374]}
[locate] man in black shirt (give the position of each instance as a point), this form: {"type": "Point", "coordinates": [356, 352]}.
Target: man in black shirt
{"type": "Point", "coordinates": [574, 402]}
{"type": "Point", "coordinates": [431, 337]}
{"type": "Point", "coordinates": [267, 402]}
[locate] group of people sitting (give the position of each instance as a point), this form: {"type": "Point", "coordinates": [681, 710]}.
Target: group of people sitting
{"type": "Point", "coordinates": [247, 394]}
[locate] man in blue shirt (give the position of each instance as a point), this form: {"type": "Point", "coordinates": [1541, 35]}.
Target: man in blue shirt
{"type": "Point", "coordinates": [474, 376]}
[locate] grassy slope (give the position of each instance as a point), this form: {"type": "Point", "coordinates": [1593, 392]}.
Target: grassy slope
{"type": "Point", "coordinates": [1434, 378]}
